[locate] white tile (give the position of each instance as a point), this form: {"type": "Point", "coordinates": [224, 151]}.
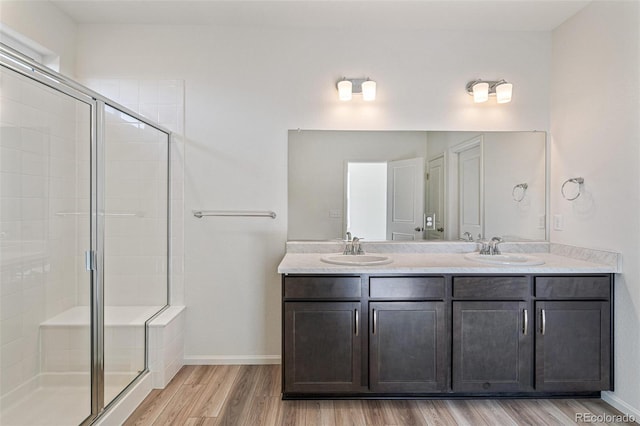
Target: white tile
{"type": "Point", "coordinates": [11, 305]}
{"type": "Point", "coordinates": [10, 186]}
{"type": "Point", "coordinates": [10, 136]}
{"type": "Point", "coordinates": [10, 160]}
{"type": "Point", "coordinates": [148, 92]}
{"type": "Point", "coordinates": [11, 354]}
{"type": "Point", "coordinates": [11, 112]}
{"type": "Point", "coordinates": [128, 92]}
{"type": "Point", "coordinates": [34, 186]}
{"type": "Point", "coordinates": [10, 329]}
{"type": "Point", "coordinates": [11, 85]}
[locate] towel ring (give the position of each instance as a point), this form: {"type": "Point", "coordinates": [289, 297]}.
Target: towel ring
{"type": "Point", "coordinates": [523, 187]}
{"type": "Point", "coordinates": [578, 181]}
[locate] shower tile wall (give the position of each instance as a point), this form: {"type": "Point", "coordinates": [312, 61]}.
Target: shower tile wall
{"type": "Point", "coordinates": [44, 160]}
{"type": "Point", "coordinates": [162, 101]}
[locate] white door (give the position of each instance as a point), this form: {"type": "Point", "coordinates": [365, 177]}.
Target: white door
{"type": "Point", "coordinates": [405, 199]}
{"type": "Point", "coordinates": [470, 197]}
{"type": "Point", "coordinates": [435, 197]}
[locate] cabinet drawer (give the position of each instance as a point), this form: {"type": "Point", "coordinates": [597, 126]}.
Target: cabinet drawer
{"type": "Point", "coordinates": [407, 287]}
{"type": "Point", "coordinates": [321, 287]}
{"type": "Point", "coordinates": [494, 287]}
{"type": "Point", "coordinates": [596, 287]}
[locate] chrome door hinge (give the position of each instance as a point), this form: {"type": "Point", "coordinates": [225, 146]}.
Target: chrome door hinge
{"type": "Point", "coordinates": [90, 260]}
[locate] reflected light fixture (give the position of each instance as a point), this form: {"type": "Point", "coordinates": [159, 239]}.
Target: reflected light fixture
{"type": "Point", "coordinates": [482, 89]}
{"type": "Point", "coordinates": [348, 86]}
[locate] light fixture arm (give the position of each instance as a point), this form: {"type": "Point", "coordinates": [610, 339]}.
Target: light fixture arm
{"type": "Point", "coordinates": [355, 82]}
{"type": "Point", "coordinates": [492, 85]}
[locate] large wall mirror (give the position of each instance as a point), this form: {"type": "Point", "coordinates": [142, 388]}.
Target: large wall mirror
{"type": "Point", "coordinates": [417, 185]}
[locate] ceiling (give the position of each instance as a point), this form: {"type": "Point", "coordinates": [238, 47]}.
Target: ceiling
{"type": "Point", "coordinates": [475, 15]}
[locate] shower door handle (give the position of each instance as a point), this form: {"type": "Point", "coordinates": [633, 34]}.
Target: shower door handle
{"type": "Point", "coordinates": [90, 260]}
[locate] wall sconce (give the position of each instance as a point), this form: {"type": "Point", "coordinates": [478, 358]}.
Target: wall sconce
{"type": "Point", "coordinates": [481, 90]}
{"type": "Point", "coordinates": [348, 86]}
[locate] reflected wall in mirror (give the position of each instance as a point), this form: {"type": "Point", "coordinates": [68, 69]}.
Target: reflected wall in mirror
{"type": "Point", "coordinates": [417, 185]}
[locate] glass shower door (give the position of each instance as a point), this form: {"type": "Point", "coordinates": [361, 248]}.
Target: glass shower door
{"type": "Point", "coordinates": [135, 242]}
{"type": "Point", "coordinates": [45, 288]}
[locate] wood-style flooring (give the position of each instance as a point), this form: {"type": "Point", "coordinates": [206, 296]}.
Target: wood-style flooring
{"type": "Point", "coordinates": [250, 395]}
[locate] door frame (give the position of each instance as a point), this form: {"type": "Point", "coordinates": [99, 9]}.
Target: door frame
{"type": "Point", "coordinates": [452, 192]}
{"type": "Point", "coordinates": [445, 188]}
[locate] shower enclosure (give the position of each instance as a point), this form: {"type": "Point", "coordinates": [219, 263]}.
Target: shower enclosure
{"type": "Point", "coordinates": [84, 231]}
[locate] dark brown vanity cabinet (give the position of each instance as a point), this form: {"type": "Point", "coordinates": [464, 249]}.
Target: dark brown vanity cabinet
{"type": "Point", "coordinates": [573, 341]}
{"type": "Point", "coordinates": [323, 346]}
{"type": "Point", "coordinates": [322, 335]}
{"type": "Point", "coordinates": [360, 336]}
{"type": "Point", "coordinates": [407, 335]}
{"type": "Point", "coordinates": [492, 339]}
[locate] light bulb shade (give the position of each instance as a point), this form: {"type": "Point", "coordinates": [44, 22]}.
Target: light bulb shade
{"type": "Point", "coordinates": [369, 90]}
{"type": "Point", "coordinates": [481, 92]}
{"type": "Point", "coordinates": [344, 90]}
{"type": "Point", "coordinates": [503, 92]}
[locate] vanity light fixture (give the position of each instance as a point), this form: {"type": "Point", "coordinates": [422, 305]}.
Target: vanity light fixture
{"type": "Point", "coordinates": [348, 86]}
{"type": "Point", "coordinates": [481, 90]}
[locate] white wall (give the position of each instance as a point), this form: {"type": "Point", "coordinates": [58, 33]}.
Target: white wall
{"type": "Point", "coordinates": [44, 24]}
{"type": "Point", "coordinates": [246, 87]}
{"type": "Point", "coordinates": [596, 135]}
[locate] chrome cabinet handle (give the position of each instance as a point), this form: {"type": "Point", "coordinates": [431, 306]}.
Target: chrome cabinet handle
{"type": "Point", "coordinates": [525, 326]}
{"type": "Point", "coordinates": [544, 322]}
{"type": "Point", "coordinates": [357, 322]}
{"type": "Point", "coordinates": [375, 322]}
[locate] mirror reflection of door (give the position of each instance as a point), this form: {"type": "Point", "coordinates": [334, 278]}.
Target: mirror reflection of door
{"type": "Point", "coordinates": [405, 196]}
{"type": "Point", "coordinates": [470, 201]}
{"type": "Point", "coordinates": [435, 196]}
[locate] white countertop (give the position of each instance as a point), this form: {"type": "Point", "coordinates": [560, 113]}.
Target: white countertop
{"type": "Point", "coordinates": [439, 263]}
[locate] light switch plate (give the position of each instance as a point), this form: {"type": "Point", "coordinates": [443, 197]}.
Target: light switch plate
{"type": "Point", "coordinates": [558, 222]}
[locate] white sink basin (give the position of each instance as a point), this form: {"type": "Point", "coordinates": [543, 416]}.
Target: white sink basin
{"type": "Point", "coordinates": [356, 260]}
{"type": "Point", "coordinates": [505, 259]}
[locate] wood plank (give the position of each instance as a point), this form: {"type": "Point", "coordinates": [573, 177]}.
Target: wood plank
{"type": "Point", "coordinates": [201, 374]}
{"type": "Point", "coordinates": [237, 404]}
{"type": "Point", "coordinates": [157, 400]}
{"type": "Point", "coordinates": [319, 413]}
{"type": "Point", "coordinates": [200, 421]}
{"type": "Point", "coordinates": [285, 413]}
{"type": "Point", "coordinates": [436, 412]}
{"type": "Point", "coordinates": [179, 410]}
{"type": "Point", "coordinates": [406, 414]}
{"type": "Point", "coordinates": [526, 412]}
{"type": "Point", "coordinates": [349, 413]}
{"type": "Point", "coordinates": [377, 412]}
{"type": "Point", "coordinates": [465, 414]}
{"type": "Point", "coordinates": [216, 391]}
{"type": "Point", "coordinates": [268, 381]}
{"type": "Point", "coordinates": [492, 412]}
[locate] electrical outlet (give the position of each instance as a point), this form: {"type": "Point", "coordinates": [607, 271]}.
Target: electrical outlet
{"type": "Point", "coordinates": [558, 222]}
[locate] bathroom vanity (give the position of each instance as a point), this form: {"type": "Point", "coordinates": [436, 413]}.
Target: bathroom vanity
{"type": "Point", "coordinates": [440, 325]}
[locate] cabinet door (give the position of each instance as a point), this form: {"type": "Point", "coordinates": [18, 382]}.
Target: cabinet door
{"type": "Point", "coordinates": [573, 346]}
{"type": "Point", "coordinates": [492, 349]}
{"type": "Point", "coordinates": [407, 347]}
{"type": "Point", "coordinates": [322, 346]}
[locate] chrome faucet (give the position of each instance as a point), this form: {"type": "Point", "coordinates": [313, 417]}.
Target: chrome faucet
{"type": "Point", "coordinates": [353, 247]}
{"type": "Point", "coordinates": [467, 236]}
{"type": "Point", "coordinates": [490, 247]}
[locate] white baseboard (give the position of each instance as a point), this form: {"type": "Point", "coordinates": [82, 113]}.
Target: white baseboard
{"type": "Point", "coordinates": [611, 399]}
{"type": "Point", "coordinates": [231, 359]}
